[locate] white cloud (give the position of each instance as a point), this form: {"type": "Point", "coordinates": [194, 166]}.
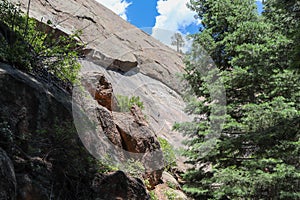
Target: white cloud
{"type": "Point", "coordinates": [173, 16]}
{"type": "Point", "coordinates": [117, 6]}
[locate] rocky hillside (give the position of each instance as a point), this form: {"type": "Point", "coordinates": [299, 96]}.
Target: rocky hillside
{"type": "Point", "coordinates": [135, 63]}
{"type": "Point", "coordinates": [60, 146]}
{"type": "Point", "coordinates": [41, 155]}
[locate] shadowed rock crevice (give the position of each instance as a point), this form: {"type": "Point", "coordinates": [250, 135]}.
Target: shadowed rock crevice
{"type": "Point", "coordinates": [86, 18]}
{"type": "Point", "coordinates": [115, 64]}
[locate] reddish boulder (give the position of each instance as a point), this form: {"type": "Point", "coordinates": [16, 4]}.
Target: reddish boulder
{"type": "Point", "coordinates": [100, 89]}
{"type": "Point", "coordinates": [139, 139]}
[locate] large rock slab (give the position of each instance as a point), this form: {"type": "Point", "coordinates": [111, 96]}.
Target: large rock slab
{"type": "Point", "coordinates": [110, 39]}
{"type": "Point", "coordinates": [134, 63]}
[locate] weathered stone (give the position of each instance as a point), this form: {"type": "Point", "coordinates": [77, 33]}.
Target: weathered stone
{"type": "Point", "coordinates": [96, 127]}
{"type": "Point", "coordinates": [162, 191]}
{"type": "Point", "coordinates": [138, 137]}
{"type": "Point", "coordinates": [100, 89]}
{"type": "Point", "coordinates": [170, 180]}
{"type": "Point", "coordinates": [29, 104]}
{"type": "Point", "coordinates": [8, 183]}
{"type": "Point", "coordinates": [139, 117]}
{"type": "Point", "coordinates": [108, 126]}
{"type": "Point", "coordinates": [119, 186]}
{"type": "Point", "coordinates": [134, 62]}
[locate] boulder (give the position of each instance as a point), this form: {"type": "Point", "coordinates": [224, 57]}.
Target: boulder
{"type": "Point", "coordinates": [100, 89]}
{"type": "Point", "coordinates": [8, 183]}
{"type": "Point", "coordinates": [96, 127]}
{"type": "Point", "coordinates": [138, 115]}
{"type": "Point", "coordinates": [170, 180]}
{"type": "Point", "coordinates": [108, 125]}
{"type": "Point", "coordinates": [163, 192]}
{"type": "Point", "coordinates": [139, 138]}
{"type": "Point", "coordinates": [119, 186]}
{"type": "Point", "coordinates": [136, 138]}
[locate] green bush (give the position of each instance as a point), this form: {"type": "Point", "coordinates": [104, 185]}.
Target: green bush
{"type": "Point", "coordinates": [125, 103]}
{"type": "Point", "coordinates": [29, 45]}
{"type": "Point", "coordinates": [105, 165]}
{"type": "Point", "coordinates": [171, 185]}
{"type": "Point", "coordinates": [170, 194]}
{"type": "Point", "coordinates": [134, 168]}
{"type": "Point", "coordinates": [168, 153]}
{"type": "Point", "coordinates": [153, 195]}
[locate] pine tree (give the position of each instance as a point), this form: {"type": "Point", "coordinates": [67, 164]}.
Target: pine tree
{"type": "Point", "coordinates": [287, 18]}
{"type": "Point", "coordinates": [177, 41]}
{"type": "Point", "coordinates": [257, 153]}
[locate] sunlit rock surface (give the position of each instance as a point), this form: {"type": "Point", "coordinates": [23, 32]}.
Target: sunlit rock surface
{"type": "Point", "coordinates": [134, 62]}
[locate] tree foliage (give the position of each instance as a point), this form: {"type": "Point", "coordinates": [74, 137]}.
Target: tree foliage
{"type": "Point", "coordinates": [31, 45]}
{"type": "Point", "coordinates": [168, 153]}
{"type": "Point", "coordinates": [257, 153]}
{"type": "Point", "coordinates": [177, 41]}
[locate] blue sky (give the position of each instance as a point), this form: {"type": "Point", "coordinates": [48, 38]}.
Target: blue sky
{"type": "Point", "coordinates": [160, 18]}
{"type": "Point", "coordinates": [142, 13]}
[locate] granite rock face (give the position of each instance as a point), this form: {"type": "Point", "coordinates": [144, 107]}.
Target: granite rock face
{"type": "Point", "coordinates": [134, 63]}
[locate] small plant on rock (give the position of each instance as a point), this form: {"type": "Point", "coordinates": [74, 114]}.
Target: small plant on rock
{"type": "Point", "coordinates": [170, 194]}
{"type": "Point", "coordinates": [168, 153]}
{"type": "Point", "coordinates": [153, 195]}
{"type": "Point", "coordinates": [125, 103]}
{"type": "Point", "coordinates": [134, 167]}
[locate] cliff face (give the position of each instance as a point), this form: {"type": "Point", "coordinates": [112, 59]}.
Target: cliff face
{"type": "Point", "coordinates": [41, 155]}
{"type": "Point", "coordinates": [135, 63]}
{"type": "Point", "coordinates": [43, 130]}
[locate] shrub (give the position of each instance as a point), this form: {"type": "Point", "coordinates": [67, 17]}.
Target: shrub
{"type": "Point", "coordinates": [153, 195]}
{"type": "Point", "coordinates": [105, 166]}
{"type": "Point", "coordinates": [31, 45]}
{"type": "Point", "coordinates": [171, 185]}
{"type": "Point", "coordinates": [134, 167]}
{"type": "Point", "coordinates": [168, 152]}
{"type": "Point", "coordinates": [170, 194]}
{"type": "Point", "coordinates": [125, 103]}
